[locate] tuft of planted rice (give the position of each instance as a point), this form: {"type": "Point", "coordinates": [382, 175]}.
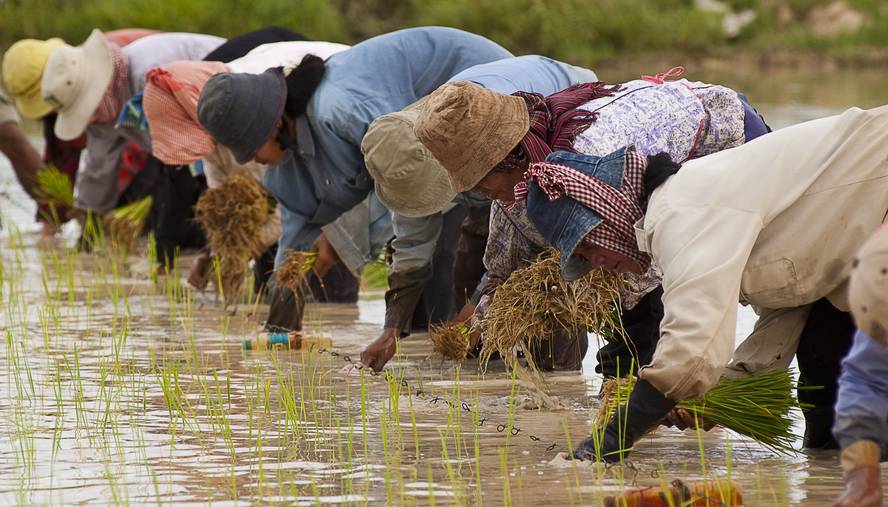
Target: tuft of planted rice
{"type": "Point", "coordinates": [232, 215]}
{"type": "Point", "coordinates": [127, 222]}
{"type": "Point", "coordinates": [294, 269]}
{"type": "Point", "coordinates": [54, 187]}
{"type": "Point", "coordinates": [451, 340]}
{"type": "Point", "coordinates": [758, 406]}
{"type": "Point", "coordinates": [535, 301]}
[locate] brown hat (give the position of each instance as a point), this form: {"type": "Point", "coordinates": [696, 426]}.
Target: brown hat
{"type": "Point", "coordinates": [868, 292]}
{"type": "Point", "coordinates": [470, 129]}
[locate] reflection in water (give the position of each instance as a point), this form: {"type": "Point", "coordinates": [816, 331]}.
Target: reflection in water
{"type": "Point", "coordinates": [118, 390]}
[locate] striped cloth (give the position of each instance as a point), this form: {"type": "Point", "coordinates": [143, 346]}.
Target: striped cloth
{"type": "Point", "coordinates": [619, 208]}
{"type": "Point", "coordinates": [118, 91]}
{"type": "Point", "coordinates": [170, 103]}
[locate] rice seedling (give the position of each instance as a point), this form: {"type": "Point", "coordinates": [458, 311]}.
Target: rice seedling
{"type": "Point", "coordinates": [451, 340]}
{"type": "Point", "coordinates": [54, 189]}
{"type": "Point", "coordinates": [759, 406]}
{"type": "Point", "coordinates": [535, 301]}
{"type": "Point", "coordinates": [293, 271]}
{"type": "Point", "coordinates": [126, 223]}
{"type": "Point", "coordinates": [232, 215]}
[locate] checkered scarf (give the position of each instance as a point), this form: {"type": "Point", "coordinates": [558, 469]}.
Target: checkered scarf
{"type": "Point", "coordinates": [170, 103]}
{"type": "Point", "coordinates": [556, 119]}
{"type": "Point", "coordinates": [118, 91]}
{"type": "Point", "coordinates": [619, 208]}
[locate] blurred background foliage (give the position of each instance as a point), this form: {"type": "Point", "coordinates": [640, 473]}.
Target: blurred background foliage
{"type": "Point", "coordinates": [583, 32]}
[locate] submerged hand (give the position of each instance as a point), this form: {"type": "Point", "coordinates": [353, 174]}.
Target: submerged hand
{"type": "Point", "coordinates": [327, 257]}
{"type": "Point", "coordinates": [684, 419]}
{"type": "Point", "coordinates": [378, 353]}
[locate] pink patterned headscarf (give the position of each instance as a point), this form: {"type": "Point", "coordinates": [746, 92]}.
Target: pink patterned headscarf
{"type": "Point", "coordinates": [118, 91]}
{"type": "Point", "coordinates": [170, 103]}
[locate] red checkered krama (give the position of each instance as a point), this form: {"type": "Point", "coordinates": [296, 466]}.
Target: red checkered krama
{"type": "Point", "coordinates": [619, 208]}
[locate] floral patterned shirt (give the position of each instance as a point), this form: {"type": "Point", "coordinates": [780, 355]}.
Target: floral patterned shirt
{"type": "Point", "coordinates": [683, 118]}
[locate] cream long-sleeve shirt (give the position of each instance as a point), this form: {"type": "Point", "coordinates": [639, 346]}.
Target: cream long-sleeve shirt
{"type": "Point", "coordinates": [775, 223]}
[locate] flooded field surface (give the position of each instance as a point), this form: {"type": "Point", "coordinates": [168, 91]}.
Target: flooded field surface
{"type": "Point", "coordinates": [118, 389]}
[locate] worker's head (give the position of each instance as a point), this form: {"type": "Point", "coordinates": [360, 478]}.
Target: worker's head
{"type": "Point", "coordinates": [868, 293]}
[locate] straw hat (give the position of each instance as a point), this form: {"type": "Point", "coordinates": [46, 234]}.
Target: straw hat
{"type": "Point", "coordinates": [408, 179]}
{"type": "Point", "coordinates": [23, 66]}
{"type": "Point", "coordinates": [470, 129]}
{"type": "Point", "coordinates": [868, 291]}
{"type": "Point", "coordinates": [75, 80]}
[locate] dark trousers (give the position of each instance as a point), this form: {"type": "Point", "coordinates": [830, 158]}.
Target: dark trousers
{"type": "Point", "coordinates": [469, 266]}
{"type": "Point", "coordinates": [642, 325]}
{"type": "Point", "coordinates": [438, 302]}
{"type": "Point", "coordinates": [825, 341]}
{"type": "Point", "coordinates": [175, 192]}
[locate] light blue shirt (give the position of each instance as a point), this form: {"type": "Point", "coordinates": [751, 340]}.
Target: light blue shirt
{"type": "Point", "coordinates": [862, 405]}
{"type": "Point", "coordinates": [529, 73]}
{"type": "Point", "coordinates": [324, 174]}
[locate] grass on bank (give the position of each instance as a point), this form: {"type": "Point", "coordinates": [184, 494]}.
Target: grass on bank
{"type": "Point", "coordinates": [576, 31]}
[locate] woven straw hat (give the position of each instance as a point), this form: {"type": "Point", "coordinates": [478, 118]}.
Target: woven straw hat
{"type": "Point", "coordinates": [470, 129]}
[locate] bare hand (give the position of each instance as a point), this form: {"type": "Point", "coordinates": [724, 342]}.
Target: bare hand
{"type": "Point", "coordinates": [198, 275]}
{"type": "Point", "coordinates": [378, 353]}
{"type": "Point", "coordinates": [327, 257]}
{"type": "Point", "coordinates": [684, 419]}
{"type": "Point", "coordinates": [465, 316]}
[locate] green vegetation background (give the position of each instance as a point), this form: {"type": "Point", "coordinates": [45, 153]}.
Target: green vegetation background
{"type": "Point", "coordinates": [582, 32]}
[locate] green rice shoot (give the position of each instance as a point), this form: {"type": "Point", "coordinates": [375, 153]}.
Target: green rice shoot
{"type": "Point", "coordinates": [127, 222]}
{"type": "Point", "coordinates": [55, 187]}
{"type": "Point", "coordinates": [759, 406]}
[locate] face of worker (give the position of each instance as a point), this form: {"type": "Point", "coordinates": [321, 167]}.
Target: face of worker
{"type": "Point", "coordinates": [273, 152]}
{"type": "Point", "coordinates": [500, 182]}
{"type": "Point", "coordinates": [599, 257]}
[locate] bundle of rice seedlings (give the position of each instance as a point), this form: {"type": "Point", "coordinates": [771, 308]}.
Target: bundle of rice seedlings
{"type": "Point", "coordinates": [535, 301]}
{"type": "Point", "coordinates": [758, 406]}
{"type": "Point", "coordinates": [294, 269]}
{"type": "Point", "coordinates": [232, 215]}
{"type": "Point", "coordinates": [127, 222]}
{"type": "Point", "coordinates": [54, 187]}
{"type": "Point", "coordinates": [451, 340]}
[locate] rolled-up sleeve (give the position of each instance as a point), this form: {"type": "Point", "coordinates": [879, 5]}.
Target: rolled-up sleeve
{"type": "Point", "coordinates": [702, 252]}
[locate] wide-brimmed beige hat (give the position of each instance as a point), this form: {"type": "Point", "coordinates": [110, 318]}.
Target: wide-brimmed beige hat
{"type": "Point", "coordinates": [470, 129]}
{"type": "Point", "coordinates": [868, 291]}
{"type": "Point", "coordinates": [23, 65]}
{"type": "Point", "coordinates": [408, 178]}
{"type": "Point", "coordinates": [75, 80]}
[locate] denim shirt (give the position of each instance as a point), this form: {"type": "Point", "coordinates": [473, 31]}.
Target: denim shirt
{"type": "Point", "coordinates": [416, 238]}
{"type": "Point", "coordinates": [862, 406]}
{"type": "Point", "coordinates": [324, 175]}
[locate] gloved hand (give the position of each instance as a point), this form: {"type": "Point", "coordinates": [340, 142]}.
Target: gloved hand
{"type": "Point", "coordinates": [646, 407]}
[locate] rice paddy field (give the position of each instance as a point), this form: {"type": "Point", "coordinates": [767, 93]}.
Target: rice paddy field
{"type": "Point", "coordinates": [120, 388]}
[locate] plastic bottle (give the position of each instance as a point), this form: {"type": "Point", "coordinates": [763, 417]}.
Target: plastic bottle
{"type": "Point", "coordinates": [274, 341]}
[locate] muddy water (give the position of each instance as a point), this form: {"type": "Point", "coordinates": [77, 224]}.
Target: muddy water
{"type": "Point", "coordinates": [116, 389]}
